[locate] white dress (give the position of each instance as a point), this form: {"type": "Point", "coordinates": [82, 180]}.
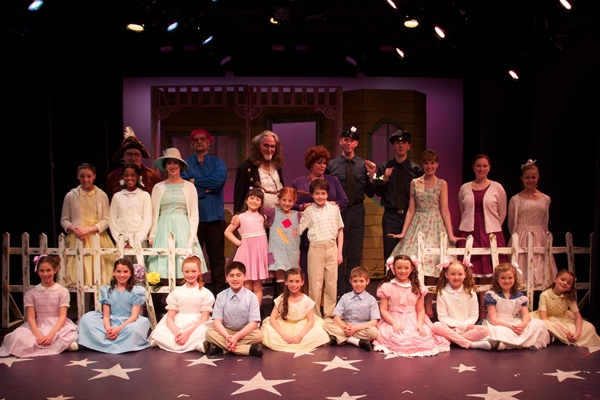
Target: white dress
{"type": "Point", "coordinates": [189, 304]}
{"type": "Point", "coordinates": [534, 336]}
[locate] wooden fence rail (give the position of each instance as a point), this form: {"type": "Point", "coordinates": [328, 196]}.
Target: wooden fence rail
{"type": "Point", "coordinates": [27, 252]}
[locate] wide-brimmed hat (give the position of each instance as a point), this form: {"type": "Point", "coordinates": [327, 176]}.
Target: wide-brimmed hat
{"type": "Point", "coordinates": [201, 132]}
{"type": "Point", "coordinates": [350, 132]}
{"type": "Point", "coordinates": [130, 141]}
{"type": "Point", "coordinates": [171, 152]}
{"type": "Point", "coordinates": [404, 136]}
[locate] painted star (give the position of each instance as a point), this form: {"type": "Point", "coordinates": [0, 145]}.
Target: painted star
{"type": "Point", "coordinates": [562, 375]}
{"type": "Point", "coordinates": [10, 360]}
{"type": "Point", "coordinates": [81, 363]}
{"type": "Point", "coordinates": [114, 371]}
{"type": "Point", "coordinates": [300, 353]}
{"type": "Point", "coordinates": [493, 394]}
{"type": "Point", "coordinates": [463, 368]}
{"type": "Point", "coordinates": [61, 397]}
{"type": "Point", "coordinates": [204, 360]}
{"type": "Point", "coordinates": [391, 355]}
{"type": "Point", "coordinates": [346, 396]}
{"type": "Point", "coordinates": [258, 382]}
{"type": "Point", "coordinates": [338, 363]}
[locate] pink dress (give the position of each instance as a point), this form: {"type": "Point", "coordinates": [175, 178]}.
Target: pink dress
{"type": "Point", "coordinates": [47, 303]}
{"type": "Point", "coordinates": [254, 249]}
{"type": "Point", "coordinates": [402, 304]}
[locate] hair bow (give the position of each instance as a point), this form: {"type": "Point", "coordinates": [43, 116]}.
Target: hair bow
{"type": "Point", "coordinates": [189, 253]}
{"type": "Point", "coordinates": [415, 260]}
{"type": "Point", "coordinates": [517, 268]}
{"type": "Point", "coordinates": [445, 263]}
{"type": "Point", "coordinates": [529, 162]}
{"type": "Point", "coordinates": [36, 260]}
{"type": "Point", "coordinates": [389, 264]}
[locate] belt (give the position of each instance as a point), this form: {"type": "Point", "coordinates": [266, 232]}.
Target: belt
{"type": "Point", "coordinates": [395, 210]}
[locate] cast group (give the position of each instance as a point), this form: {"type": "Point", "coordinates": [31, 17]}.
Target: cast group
{"type": "Point", "coordinates": [307, 238]}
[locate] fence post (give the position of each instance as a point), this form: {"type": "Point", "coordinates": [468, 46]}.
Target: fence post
{"type": "Point", "coordinates": [97, 268]}
{"type": "Point", "coordinates": [5, 281]}
{"type": "Point", "coordinates": [171, 261]}
{"type": "Point", "coordinates": [25, 264]}
{"type": "Point", "coordinates": [149, 302]}
{"type": "Point", "coordinates": [494, 249]}
{"type": "Point", "coordinates": [79, 285]}
{"type": "Point", "coordinates": [62, 253]}
{"type": "Point", "coordinates": [529, 272]}
{"type": "Point", "coordinates": [547, 263]}
{"type": "Point", "coordinates": [420, 251]}
{"type": "Point", "coordinates": [570, 253]}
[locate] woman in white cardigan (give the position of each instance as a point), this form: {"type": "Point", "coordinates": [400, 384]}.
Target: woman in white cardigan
{"type": "Point", "coordinates": [85, 213]}
{"type": "Point", "coordinates": [174, 210]}
{"type": "Point", "coordinates": [483, 210]}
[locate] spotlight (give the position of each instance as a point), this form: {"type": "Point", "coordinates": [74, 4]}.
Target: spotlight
{"type": "Point", "coordinates": [513, 74]}
{"type": "Point", "coordinates": [351, 60]}
{"type": "Point", "coordinates": [400, 53]}
{"type": "Point", "coordinates": [439, 32]}
{"type": "Point", "coordinates": [565, 4]}
{"type": "Point", "coordinates": [135, 27]}
{"type": "Point", "coordinates": [272, 20]}
{"type": "Point", "coordinates": [391, 3]}
{"type": "Point", "coordinates": [410, 22]}
{"type": "Point", "coordinates": [35, 5]}
{"type": "Point", "coordinates": [172, 27]}
{"type": "Point", "coordinates": [225, 60]}
{"type": "Point", "coordinates": [208, 39]}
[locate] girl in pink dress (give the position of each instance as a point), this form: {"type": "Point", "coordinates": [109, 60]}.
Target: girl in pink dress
{"type": "Point", "coordinates": [404, 329]}
{"type": "Point", "coordinates": [47, 330]}
{"type": "Point", "coordinates": [253, 247]}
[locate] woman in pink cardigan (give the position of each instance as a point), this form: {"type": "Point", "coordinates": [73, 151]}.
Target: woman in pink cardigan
{"type": "Point", "coordinates": [483, 210]}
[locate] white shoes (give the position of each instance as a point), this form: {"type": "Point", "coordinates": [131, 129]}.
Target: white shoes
{"type": "Point", "coordinates": [74, 346]}
{"type": "Point", "coordinates": [481, 344]}
{"type": "Point", "coordinates": [153, 343]}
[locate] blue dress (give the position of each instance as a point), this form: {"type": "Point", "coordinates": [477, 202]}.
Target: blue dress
{"type": "Point", "coordinates": [133, 336]}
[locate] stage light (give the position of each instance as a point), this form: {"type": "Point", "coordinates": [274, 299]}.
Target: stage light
{"type": "Point", "coordinates": [439, 32]}
{"type": "Point", "coordinates": [172, 27]}
{"type": "Point", "coordinates": [400, 53]}
{"type": "Point", "coordinates": [391, 3]}
{"type": "Point", "coordinates": [135, 27]}
{"type": "Point", "coordinates": [35, 5]}
{"type": "Point", "coordinates": [565, 4]}
{"type": "Point", "coordinates": [513, 74]}
{"type": "Point", "coordinates": [272, 20]}
{"type": "Point", "coordinates": [410, 22]}
{"type": "Point", "coordinates": [225, 60]}
{"type": "Point", "coordinates": [351, 60]}
{"type": "Point", "coordinates": [208, 39]}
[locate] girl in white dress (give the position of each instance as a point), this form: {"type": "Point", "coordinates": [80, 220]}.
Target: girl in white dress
{"type": "Point", "coordinates": [511, 326]}
{"type": "Point", "coordinates": [46, 330]}
{"type": "Point", "coordinates": [292, 325]}
{"type": "Point", "coordinates": [458, 308]}
{"type": "Point", "coordinates": [188, 312]}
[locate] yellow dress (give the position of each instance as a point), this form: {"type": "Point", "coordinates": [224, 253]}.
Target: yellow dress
{"type": "Point", "coordinates": [89, 217]}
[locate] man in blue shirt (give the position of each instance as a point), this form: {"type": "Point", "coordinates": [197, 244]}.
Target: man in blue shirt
{"type": "Point", "coordinates": [209, 173]}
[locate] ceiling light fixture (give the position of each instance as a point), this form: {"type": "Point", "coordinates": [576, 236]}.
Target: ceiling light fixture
{"type": "Point", "coordinates": [172, 27]}
{"type": "Point", "coordinates": [208, 39]}
{"type": "Point", "coordinates": [135, 27]}
{"type": "Point", "coordinates": [400, 53]}
{"type": "Point", "coordinates": [565, 4]}
{"type": "Point", "coordinates": [513, 74]}
{"type": "Point", "coordinates": [272, 20]}
{"type": "Point", "coordinates": [391, 3]}
{"type": "Point", "coordinates": [351, 60]}
{"type": "Point", "coordinates": [35, 5]}
{"type": "Point", "coordinates": [225, 60]}
{"type": "Point", "coordinates": [439, 32]}
{"type": "Point", "coordinates": [410, 22]}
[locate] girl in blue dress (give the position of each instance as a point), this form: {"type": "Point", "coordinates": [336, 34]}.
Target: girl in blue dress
{"type": "Point", "coordinates": [119, 328]}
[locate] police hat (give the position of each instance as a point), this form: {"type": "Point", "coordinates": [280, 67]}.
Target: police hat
{"type": "Point", "coordinates": [350, 132]}
{"type": "Point", "coordinates": [401, 135]}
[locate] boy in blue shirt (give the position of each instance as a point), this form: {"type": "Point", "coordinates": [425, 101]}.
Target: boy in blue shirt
{"type": "Point", "coordinates": [356, 314]}
{"type": "Point", "coordinates": [236, 315]}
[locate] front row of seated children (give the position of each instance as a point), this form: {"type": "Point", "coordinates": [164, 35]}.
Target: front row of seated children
{"type": "Point", "coordinates": [399, 326]}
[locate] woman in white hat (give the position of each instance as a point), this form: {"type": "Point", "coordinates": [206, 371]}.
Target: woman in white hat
{"type": "Point", "coordinates": [174, 209]}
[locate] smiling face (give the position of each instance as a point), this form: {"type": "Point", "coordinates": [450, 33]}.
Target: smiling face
{"type": "Point", "coordinates": [563, 283]}
{"type": "Point", "coordinates": [320, 197]}
{"type": "Point", "coordinates": [402, 270]}
{"type": "Point", "coordinates": [122, 275]}
{"type": "Point", "coordinates": [455, 275]}
{"type": "Point", "coordinates": [235, 279]}
{"type": "Point", "coordinates": [318, 168]}
{"type": "Point", "coordinates": [530, 178]}
{"type": "Point", "coordinates": [86, 179]}
{"type": "Point", "coordinates": [46, 273]}
{"type": "Point", "coordinates": [429, 167]}
{"type": "Point", "coordinates": [190, 272]}
{"type": "Point", "coordinates": [286, 203]}
{"type": "Point", "coordinates": [253, 203]}
{"type": "Point", "coordinates": [481, 167]}
{"type": "Point", "coordinates": [506, 280]}
{"type": "Point", "coordinates": [173, 167]}
{"type": "Point", "coordinates": [130, 177]}
{"type": "Point", "coordinates": [294, 283]}
{"type": "Point", "coordinates": [359, 283]}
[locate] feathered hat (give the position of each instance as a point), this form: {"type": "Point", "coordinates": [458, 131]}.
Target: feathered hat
{"type": "Point", "coordinates": [130, 141]}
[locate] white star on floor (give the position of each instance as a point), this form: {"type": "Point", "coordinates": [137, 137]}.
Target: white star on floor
{"type": "Point", "coordinates": [204, 360]}
{"type": "Point", "coordinates": [114, 371]}
{"type": "Point", "coordinates": [593, 349]}
{"type": "Point", "coordinates": [258, 382]}
{"type": "Point", "coordinates": [61, 397]}
{"type": "Point", "coordinates": [301, 353]}
{"type": "Point", "coordinates": [562, 375]}
{"type": "Point", "coordinates": [338, 363]}
{"type": "Point", "coordinates": [463, 368]}
{"type": "Point", "coordinates": [493, 394]}
{"type": "Point", "coordinates": [10, 360]}
{"type": "Point", "coordinates": [346, 396]}
{"type": "Point", "coordinates": [81, 363]}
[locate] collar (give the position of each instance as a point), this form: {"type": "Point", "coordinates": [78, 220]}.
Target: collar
{"type": "Point", "coordinates": [84, 193]}
{"type": "Point", "coordinates": [52, 288]}
{"type": "Point", "coordinates": [394, 281]}
{"type": "Point", "coordinates": [359, 295]}
{"type": "Point", "coordinates": [554, 295]}
{"type": "Point", "coordinates": [449, 289]}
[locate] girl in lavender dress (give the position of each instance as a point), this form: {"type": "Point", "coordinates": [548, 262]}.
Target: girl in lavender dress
{"type": "Point", "coordinates": [47, 330]}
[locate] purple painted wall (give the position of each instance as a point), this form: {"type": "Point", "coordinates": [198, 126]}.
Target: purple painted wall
{"type": "Point", "coordinates": [444, 111]}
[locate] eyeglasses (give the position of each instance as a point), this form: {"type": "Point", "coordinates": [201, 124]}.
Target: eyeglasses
{"type": "Point", "coordinates": [199, 139]}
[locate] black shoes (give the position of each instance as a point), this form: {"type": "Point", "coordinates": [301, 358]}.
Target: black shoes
{"type": "Point", "coordinates": [256, 350]}
{"type": "Point", "coordinates": [210, 349]}
{"type": "Point", "coordinates": [365, 344]}
{"type": "Point", "coordinates": [332, 340]}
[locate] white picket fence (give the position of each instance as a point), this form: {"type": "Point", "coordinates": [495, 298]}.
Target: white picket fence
{"type": "Point", "coordinates": [27, 252]}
